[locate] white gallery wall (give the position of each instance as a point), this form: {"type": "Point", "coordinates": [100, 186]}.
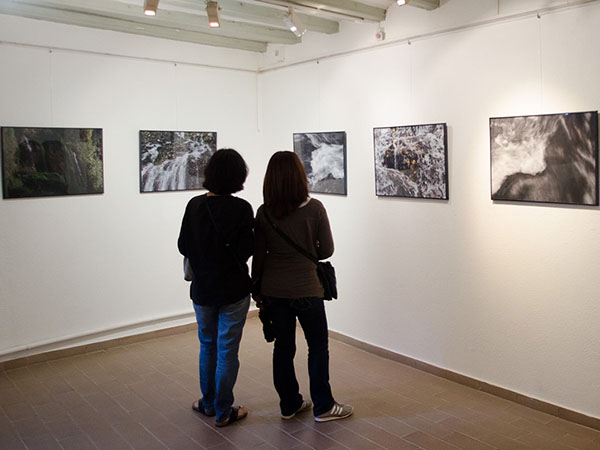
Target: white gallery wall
{"type": "Point", "coordinates": [502, 292]}
{"type": "Point", "coordinates": [79, 265]}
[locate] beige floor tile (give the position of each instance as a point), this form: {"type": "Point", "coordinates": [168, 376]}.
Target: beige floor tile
{"type": "Point", "coordinates": [138, 396]}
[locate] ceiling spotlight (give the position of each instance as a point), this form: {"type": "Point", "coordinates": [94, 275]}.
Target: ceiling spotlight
{"type": "Point", "coordinates": [150, 7]}
{"type": "Point", "coordinates": [212, 10]}
{"type": "Point", "coordinates": [401, 2]}
{"type": "Point", "coordinates": [297, 27]}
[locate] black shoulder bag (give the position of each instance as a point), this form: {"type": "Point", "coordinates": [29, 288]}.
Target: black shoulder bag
{"type": "Point", "coordinates": [325, 269]}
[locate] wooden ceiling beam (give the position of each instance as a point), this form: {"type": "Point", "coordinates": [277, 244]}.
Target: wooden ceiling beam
{"type": "Point", "coordinates": [169, 19]}
{"type": "Point", "coordinates": [260, 14]}
{"type": "Point", "coordinates": [345, 9]}
{"type": "Point", "coordinates": [424, 4]}
{"type": "Point", "coordinates": [20, 8]}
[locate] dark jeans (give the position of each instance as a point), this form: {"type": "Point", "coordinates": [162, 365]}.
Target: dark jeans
{"type": "Point", "coordinates": [311, 315]}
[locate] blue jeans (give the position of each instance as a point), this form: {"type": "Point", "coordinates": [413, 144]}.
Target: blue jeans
{"type": "Point", "coordinates": [311, 315]}
{"type": "Point", "coordinates": [220, 333]}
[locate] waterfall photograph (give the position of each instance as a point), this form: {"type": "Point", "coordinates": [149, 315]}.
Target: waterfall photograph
{"type": "Point", "coordinates": [324, 159]}
{"type": "Point", "coordinates": [174, 160]}
{"type": "Point", "coordinates": [42, 162]}
{"type": "Point", "coordinates": [550, 158]}
{"type": "Point", "coordinates": [411, 161]}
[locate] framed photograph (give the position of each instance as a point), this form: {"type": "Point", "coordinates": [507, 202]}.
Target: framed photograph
{"type": "Point", "coordinates": [550, 158]}
{"type": "Point", "coordinates": [43, 162]}
{"type": "Point", "coordinates": [411, 161]}
{"type": "Point", "coordinates": [174, 160]}
{"type": "Point", "coordinates": [324, 159]}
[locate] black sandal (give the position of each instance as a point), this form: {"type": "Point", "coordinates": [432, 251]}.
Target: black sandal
{"type": "Point", "coordinates": [198, 407]}
{"type": "Point", "coordinates": [237, 413]}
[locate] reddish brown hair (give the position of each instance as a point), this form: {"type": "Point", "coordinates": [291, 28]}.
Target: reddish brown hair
{"type": "Point", "coordinates": [285, 186]}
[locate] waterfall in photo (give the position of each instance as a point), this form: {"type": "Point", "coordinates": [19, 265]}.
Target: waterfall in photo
{"type": "Point", "coordinates": [327, 161]}
{"type": "Point", "coordinates": [324, 158]}
{"type": "Point", "coordinates": [176, 162]}
{"type": "Point", "coordinates": [77, 166]}
{"type": "Point", "coordinates": [547, 158]}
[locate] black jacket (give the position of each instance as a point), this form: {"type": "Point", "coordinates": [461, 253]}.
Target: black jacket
{"type": "Point", "coordinates": [220, 278]}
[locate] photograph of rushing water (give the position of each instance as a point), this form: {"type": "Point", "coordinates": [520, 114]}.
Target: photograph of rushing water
{"type": "Point", "coordinates": [324, 159]}
{"type": "Point", "coordinates": [550, 158]}
{"type": "Point", "coordinates": [42, 162]}
{"type": "Point", "coordinates": [411, 161]}
{"type": "Point", "coordinates": [174, 160]}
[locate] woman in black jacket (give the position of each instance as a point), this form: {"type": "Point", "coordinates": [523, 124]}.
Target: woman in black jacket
{"type": "Point", "coordinates": [217, 238]}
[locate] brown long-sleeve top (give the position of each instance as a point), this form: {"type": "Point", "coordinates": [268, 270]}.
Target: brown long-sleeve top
{"type": "Point", "coordinates": [282, 270]}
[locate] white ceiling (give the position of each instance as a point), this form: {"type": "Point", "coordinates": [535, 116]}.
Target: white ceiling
{"type": "Point", "coordinates": [246, 24]}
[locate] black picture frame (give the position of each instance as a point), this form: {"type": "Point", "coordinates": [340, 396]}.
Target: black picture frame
{"type": "Point", "coordinates": [51, 161]}
{"type": "Point", "coordinates": [545, 158]}
{"type": "Point", "coordinates": [324, 157]}
{"type": "Point", "coordinates": [411, 161]}
{"type": "Point", "coordinates": [174, 160]}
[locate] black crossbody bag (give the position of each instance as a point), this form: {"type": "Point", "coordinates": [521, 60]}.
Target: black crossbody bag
{"type": "Point", "coordinates": [325, 269]}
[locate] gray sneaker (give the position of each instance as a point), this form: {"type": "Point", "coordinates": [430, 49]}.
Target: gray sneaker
{"type": "Point", "coordinates": [306, 404]}
{"type": "Point", "coordinates": [337, 411]}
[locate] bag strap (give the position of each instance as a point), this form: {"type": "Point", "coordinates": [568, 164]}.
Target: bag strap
{"type": "Point", "coordinates": [227, 245]}
{"type": "Point", "coordinates": [289, 240]}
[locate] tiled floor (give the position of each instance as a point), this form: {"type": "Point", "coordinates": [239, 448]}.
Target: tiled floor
{"type": "Point", "coordinates": [139, 396]}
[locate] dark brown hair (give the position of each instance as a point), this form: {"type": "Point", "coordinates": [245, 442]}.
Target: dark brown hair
{"type": "Point", "coordinates": [225, 172]}
{"type": "Point", "coordinates": [285, 186]}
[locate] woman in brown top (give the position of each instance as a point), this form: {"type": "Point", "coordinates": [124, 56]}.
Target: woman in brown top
{"type": "Point", "coordinates": [290, 287]}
